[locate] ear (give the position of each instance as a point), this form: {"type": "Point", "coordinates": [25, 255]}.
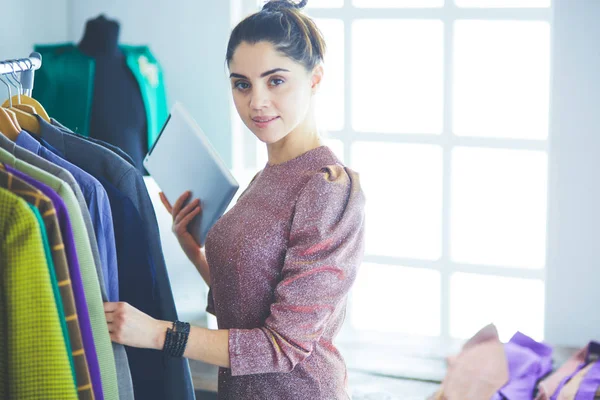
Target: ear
{"type": "Point", "coordinates": [316, 78]}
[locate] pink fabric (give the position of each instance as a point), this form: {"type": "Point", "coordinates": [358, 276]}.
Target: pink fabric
{"type": "Point", "coordinates": [282, 262]}
{"type": "Point", "coordinates": [478, 371]}
{"type": "Point", "coordinates": [569, 391]}
{"type": "Point", "coordinates": [548, 386]}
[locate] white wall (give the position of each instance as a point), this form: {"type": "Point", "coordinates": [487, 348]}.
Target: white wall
{"type": "Point", "coordinates": [26, 22]}
{"type": "Point", "coordinates": [573, 271]}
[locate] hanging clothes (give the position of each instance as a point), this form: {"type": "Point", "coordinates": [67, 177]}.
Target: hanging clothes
{"type": "Point", "coordinates": [96, 239]}
{"type": "Point", "coordinates": [90, 306]}
{"type": "Point", "coordinates": [98, 206]}
{"type": "Point", "coordinates": [77, 239]}
{"type": "Point", "coordinates": [102, 143]}
{"type": "Point", "coordinates": [65, 299]}
{"type": "Point", "coordinates": [152, 292]}
{"type": "Point", "coordinates": [33, 336]}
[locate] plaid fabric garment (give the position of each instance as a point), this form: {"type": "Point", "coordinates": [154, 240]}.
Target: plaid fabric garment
{"type": "Point", "coordinates": [65, 300]}
{"type": "Point", "coordinates": [34, 362]}
{"type": "Point", "coordinates": [100, 340]}
{"type": "Point", "coordinates": [16, 188]}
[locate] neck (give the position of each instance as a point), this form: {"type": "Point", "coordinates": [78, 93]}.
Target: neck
{"type": "Point", "coordinates": [302, 139]}
{"type": "Point", "coordinates": [101, 37]}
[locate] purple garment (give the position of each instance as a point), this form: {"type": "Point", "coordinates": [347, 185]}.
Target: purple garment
{"type": "Point", "coordinates": [76, 280]}
{"type": "Point", "coordinates": [528, 362]}
{"type": "Point", "coordinates": [282, 262]}
{"type": "Point", "coordinates": [593, 354]}
{"type": "Point", "coordinates": [99, 208]}
{"type": "Point", "coordinates": [589, 385]}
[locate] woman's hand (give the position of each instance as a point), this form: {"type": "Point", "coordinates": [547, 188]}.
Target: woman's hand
{"type": "Point", "coordinates": [182, 216]}
{"type": "Point", "coordinates": [129, 326]}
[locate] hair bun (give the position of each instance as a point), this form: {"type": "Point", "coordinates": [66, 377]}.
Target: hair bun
{"type": "Point", "coordinates": [280, 5]}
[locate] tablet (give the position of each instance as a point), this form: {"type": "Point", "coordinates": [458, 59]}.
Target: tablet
{"type": "Point", "coordinates": [182, 159]}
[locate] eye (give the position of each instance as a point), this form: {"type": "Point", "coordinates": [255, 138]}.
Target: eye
{"type": "Point", "coordinates": [276, 81]}
{"type": "Point", "coordinates": [241, 85]}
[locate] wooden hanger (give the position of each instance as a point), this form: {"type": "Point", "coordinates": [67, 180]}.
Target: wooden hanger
{"type": "Point", "coordinates": [7, 126]}
{"type": "Point", "coordinates": [24, 119]}
{"type": "Point", "coordinates": [29, 101]}
{"type": "Point", "coordinates": [26, 104]}
{"type": "Point", "coordinates": [13, 118]}
{"type": "Point", "coordinates": [27, 121]}
{"type": "Point", "coordinates": [26, 107]}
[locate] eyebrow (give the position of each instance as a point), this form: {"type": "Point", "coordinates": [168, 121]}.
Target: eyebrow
{"type": "Point", "coordinates": [272, 71]}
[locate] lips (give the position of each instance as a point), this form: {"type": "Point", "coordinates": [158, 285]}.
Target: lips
{"type": "Point", "coordinates": [263, 122]}
{"type": "Point", "coordinates": [264, 119]}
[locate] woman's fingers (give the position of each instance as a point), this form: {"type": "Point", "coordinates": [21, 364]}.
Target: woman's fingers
{"type": "Point", "coordinates": [110, 307]}
{"type": "Point", "coordinates": [186, 210]}
{"type": "Point", "coordinates": [187, 219]}
{"type": "Point", "coordinates": [165, 202]}
{"type": "Point", "coordinates": [179, 203]}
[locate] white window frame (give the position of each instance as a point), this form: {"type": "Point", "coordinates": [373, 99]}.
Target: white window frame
{"type": "Point", "coordinates": [244, 153]}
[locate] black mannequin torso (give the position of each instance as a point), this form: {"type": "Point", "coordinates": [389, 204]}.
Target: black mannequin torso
{"type": "Point", "coordinates": [118, 114]}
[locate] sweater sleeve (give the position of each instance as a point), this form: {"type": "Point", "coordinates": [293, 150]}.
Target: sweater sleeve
{"type": "Point", "coordinates": [324, 251]}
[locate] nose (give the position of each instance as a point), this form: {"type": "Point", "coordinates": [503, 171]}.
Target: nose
{"type": "Point", "coordinates": [259, 99]}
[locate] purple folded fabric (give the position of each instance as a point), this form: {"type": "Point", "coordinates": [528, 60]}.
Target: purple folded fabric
{"type": "Point", "coordinates": [593, 352]}
{"type": "Point", "coordinates": [591, 382]}
{"type": "Point", "coordinates": [548, 386]}
{"type": "Point", "coordinates": [528, 362]}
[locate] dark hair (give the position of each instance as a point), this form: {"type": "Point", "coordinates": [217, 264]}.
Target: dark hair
{"type": "Point", "coordinates": [281, 23]}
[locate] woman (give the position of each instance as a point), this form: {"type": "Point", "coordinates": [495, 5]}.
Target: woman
{"type": "Point", "coordinates": [280, 263]}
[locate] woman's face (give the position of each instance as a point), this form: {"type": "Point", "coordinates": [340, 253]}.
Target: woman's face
{"type": "Point", "coordinates": [272, 93]}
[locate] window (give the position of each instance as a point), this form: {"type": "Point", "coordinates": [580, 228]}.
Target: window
{"type": "Point", "coordinates": [442, 107]}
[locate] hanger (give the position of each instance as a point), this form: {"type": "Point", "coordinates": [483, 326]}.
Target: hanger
{"type": "Point", "coordinates": [7, 127]}
{"type": "Point", "coordinates": [27, 100]}
{"type": "Point", "coordinates": [24, 107]}
{"type": "Point", "coordinates": [25, 119]}
{"type": "Point", "coordinates": [14, 124]}
{"type": "Point", "coordinates": [8, 123]}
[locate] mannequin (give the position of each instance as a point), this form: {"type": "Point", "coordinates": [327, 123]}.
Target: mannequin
{"type": "Point", "coordinates": [118, 114]}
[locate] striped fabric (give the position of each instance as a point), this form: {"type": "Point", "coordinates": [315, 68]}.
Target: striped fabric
{"type": "Point", "coordinates": [54, 284]}
{"type": "Point", "coordinates": [102, 345]}
{"type": "Point", "coordinates": [61, 269]}
{"type": "Point", "coordinates": [34, 361]}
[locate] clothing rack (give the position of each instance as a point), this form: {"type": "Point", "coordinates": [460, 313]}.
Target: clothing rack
{"type": "Point", "coordinates": [26, 66]}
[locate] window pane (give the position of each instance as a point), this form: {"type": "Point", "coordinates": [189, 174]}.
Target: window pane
{"type": "Point", "coordinates": [390, 298]}
{"type": "Point", "coordinates": [398, 3]}
{"type": "Point", "coordinates": [398, 76]}
{"type": "Point", "coordinates": [510, 303]}
{"type": "Point", "coordinates": [502, 3]}
{"type": "Point", "coordinates": [501, 79]}
{"type": "Point", "coordinates": [336, 146]}
{"type": "Point", "coordinates": [325, 4]}
{"type": "Point", "coordinates": [262, 155]}
{"type": "Point", "coordinates": [403, 187]}
{"type": "Point", "coordinates": [330, 98]}
{"type": "Point", "coordinates": [315, 3]}
{"type": "Point", "coordinates": [498, 209]}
